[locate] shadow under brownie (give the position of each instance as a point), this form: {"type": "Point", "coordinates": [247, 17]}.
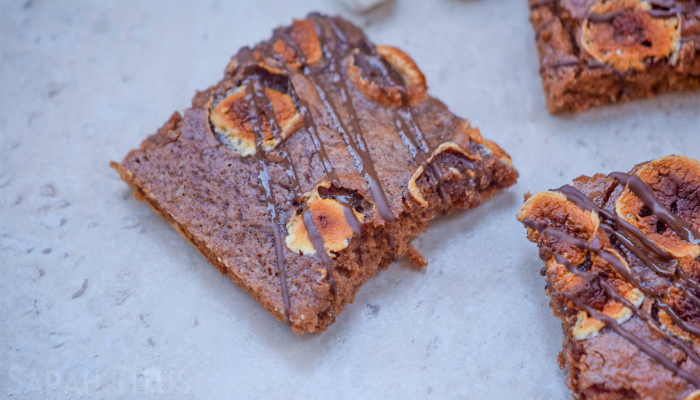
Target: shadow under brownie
{"type": "Point", "coordinates": [622, 267]}
{"type": "Point", "coordinates": [595, 52]}
{"type": "Point", "coordinates": [311, 165]}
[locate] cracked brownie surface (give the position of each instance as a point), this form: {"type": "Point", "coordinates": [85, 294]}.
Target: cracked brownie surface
{"type": "Point", "coordinates": [311, 165]}
{"type": "Point", "coordinates": [622, 266]}
{"type": "Point", "coordinates": [594, 52]}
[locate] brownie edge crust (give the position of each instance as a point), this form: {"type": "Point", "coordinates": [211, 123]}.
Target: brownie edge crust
{"type": "Point", "coordinates": [310, 166]}
{"type": "Point", "coordinates": [622, 268]}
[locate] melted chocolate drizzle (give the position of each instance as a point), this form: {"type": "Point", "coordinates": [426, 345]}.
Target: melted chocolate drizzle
{"type": "Point", "coordinates": [350, 217]}
{"type": "Point", "coordinates": [661, 9]}
{"type": "Point", "coordinates": [320, 148]}
{"type": "Point", "coordinates": [592, 64]}
{"type": "Point", "coordinates": [610, 291]}
{"type": "Point", "coordinates": [257, 99]}
{"type": "Point", "coordinates": [354, 139]}
{"type": "Point", "coordinates": [410, 132]}
{"type": "Point", "coordinates": [304, 108]}
{"type": "Point", "coordinates": [391, 240]}
{"type": "Point", "coordinates": [253, 97]}
{"type": "Point", "coordinates": [646, 195]}
{"type": "Point", "coordinates": [319, 245]}
{"type": "Point", "coordinates": [335, 46]}
{"type": "Point", "coordinates": [648, 252]}
{"type": "Point", "coordinates": [600, 18]}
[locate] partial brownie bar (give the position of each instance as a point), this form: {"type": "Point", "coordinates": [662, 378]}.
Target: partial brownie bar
{"type": "Point", "coordinates": [594, 52]}
{"type": "Point", "coordinates": [622, 266]}
{"type": "Point", "coordinates": [311, 165]}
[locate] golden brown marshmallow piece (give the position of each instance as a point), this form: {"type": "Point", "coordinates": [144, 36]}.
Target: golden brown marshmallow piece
{"type": "Point", "coordinates": [413, 186]}
{"type": "Point", "coordinates": [304, 35]}
{"type": "Point", "coordinates": [230, 118]}
{"type": "Point", "coordinates": [386, 94]}
{"type": "Point", "coordinates": [462, 139]}
{"type": "Point", "coordinates": [693, 396]}
{"type": "Point", "coordinates": [623, 34]}
{"type": "Point", "coordinates": [330, 221]}
{"type": "Point", "coordinates": [631, 208]}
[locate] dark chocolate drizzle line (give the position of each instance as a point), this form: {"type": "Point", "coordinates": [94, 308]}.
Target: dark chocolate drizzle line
{"type": "Point", "coordinates": [604, 18]}
{"type": "Point", "coordinates": [411, 134]}
{"type": "Point", "coordinates": [418, 146]}
{"type": "Point", "coordinates": [643, 346]}
{"type": "Point", "coordinates": [350, 217]}
{"type": "Point", "coordinates": [662, 3]}
{"type": "Point", "coordinates": [264, 176]}
{"type": "Point", "coordinates": [318, 143]}
{"type": "Point", "coordinates": [319, 245]}
{"type": "Point", "coordinates": [610, 291]}
{"type": "Point", "coordinates": [600, 18]}
{"type": "Point", "coordinates": [320, 148]}
{"type": "Point", "coordinates": [263, 103]}
{"type": "Point", "coordinates": [414, 140]}
{"type": "Point", "coordinates": [656, 13]}
{"type": "Point", "coordinates": [584, 203]}
{"type": "Point", "coordinates": [646, 195]}
{"type": "Point", "coordinates": [684, 231]}
{"type": "Point", "coordinates": [304, 107]}
{"type": "Point", "coordinates": [622, 270]}
{"type": "Point", "coordinates": [565, 63]}
{"type": "Point", "coordinates": [639, 245]}
{"type": "Point", "coordinates": [639, 252]}
{"type": "Point", "coordinates": [310, 125]}
{"type": "Point", "coordinates": [592, 64]}
{"type": "Point", "coordinates": [289, 41]}
{"type": "Point", "coordinates": [391, 240]}
{"type": "Point", "coordinates": [356, 145]}
{"type": "Point", "coordinates": [645, 245]}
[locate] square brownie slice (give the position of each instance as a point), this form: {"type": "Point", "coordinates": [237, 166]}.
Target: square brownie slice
{"type": "Point", "coordinates": [311, 165]}
{"type": "Point", "coordinates": [622, 265]}
{"type": "Point", "coordinates": [594, 52]}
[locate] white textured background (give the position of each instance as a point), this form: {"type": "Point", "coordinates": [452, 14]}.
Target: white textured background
{"type": "Point", "coordinates": [100, 299]}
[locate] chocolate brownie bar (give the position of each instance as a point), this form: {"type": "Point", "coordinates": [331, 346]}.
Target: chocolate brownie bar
{"type": "Point", "coordinates": [622, 265]}
{"type": "Point", "coordinates": [594, 52]}
{"type": "Point", "coordinates": [311, 165]}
